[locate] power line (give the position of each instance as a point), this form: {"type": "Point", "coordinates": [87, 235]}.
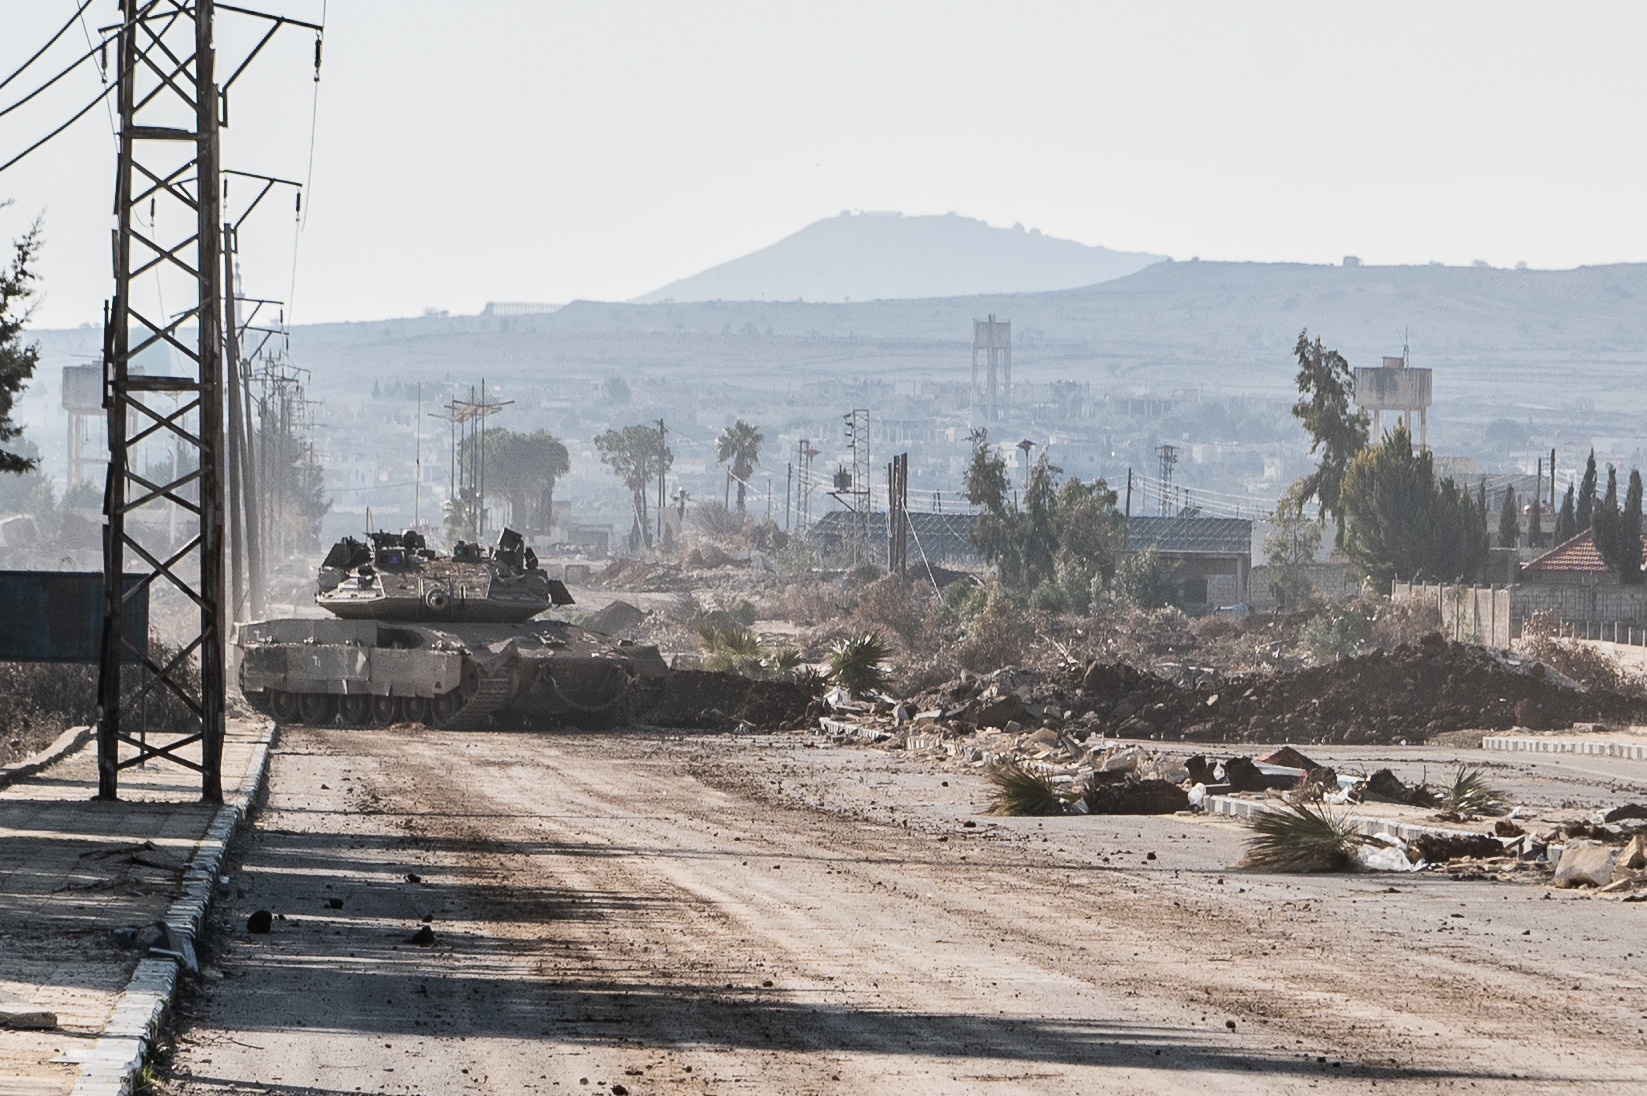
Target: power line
{"type": "Point", "coordinates": [81, 113]}
{"type": "Point", "coordinates": [82, 59]}
{"type": "Point", "coordinates": [49, 44]}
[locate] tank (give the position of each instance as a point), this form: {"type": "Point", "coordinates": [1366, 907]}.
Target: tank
{"type": "Point", "coordinates": [449, 641]}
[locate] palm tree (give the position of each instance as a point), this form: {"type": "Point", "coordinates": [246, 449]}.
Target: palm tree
{"type": "Point", "coordinates": [740, 443]}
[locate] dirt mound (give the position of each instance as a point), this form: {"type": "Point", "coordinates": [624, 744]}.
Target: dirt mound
{"type": "Point", "coordinates": [1412, 691]}
{"type": "Point", "coordinates": [711, 700]}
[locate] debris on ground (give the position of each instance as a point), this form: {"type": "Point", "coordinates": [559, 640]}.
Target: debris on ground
{"type": "Point", "coordinates": [716, 700]}
{"type": "Point", "coordinates": [617, 619]}
{"type": "Point", "coordinates": [1415, 690]}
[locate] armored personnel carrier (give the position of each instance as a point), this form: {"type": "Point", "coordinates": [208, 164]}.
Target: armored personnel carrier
{"type": "Point", "coordinates": [444, 640]}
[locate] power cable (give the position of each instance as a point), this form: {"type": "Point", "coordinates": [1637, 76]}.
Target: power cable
{"type": "Point", "coordinates": [79, 114]}
{"type": "Point", "coordinates": [82, 59]}
{"type": "Point", "coordinates": [49, 43]}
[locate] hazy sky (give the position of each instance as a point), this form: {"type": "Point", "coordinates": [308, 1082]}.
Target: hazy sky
{"type": "Point", "coordinates": [548, 151]}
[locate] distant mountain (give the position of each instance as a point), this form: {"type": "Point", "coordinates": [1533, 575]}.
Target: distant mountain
{"type": "Point", "coordinates": [887, 256]}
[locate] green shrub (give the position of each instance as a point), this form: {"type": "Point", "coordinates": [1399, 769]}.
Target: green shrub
{"type": "Point", "coordinates": [858, 665]}
{"type": "Point", "coordinates": [963, 600]}
{"type": "Point", "coordinates": [1338, 631]}
{"type": "Point", "coordinates": [1048, 597]}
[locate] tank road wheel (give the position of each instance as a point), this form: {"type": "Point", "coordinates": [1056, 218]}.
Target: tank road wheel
{"type": "Point", "coordinates": [415, 709]}
{"type": "Point", "coordinates": [355, 708]}
{"type": "Point", "coordinates": [315, 709]}
{"type": "Point", "coordinates": [447, 705]}
{"type": "Point", "coordinates": [385, 710]}
{"type": "Point", "coordinates": [283, 706]}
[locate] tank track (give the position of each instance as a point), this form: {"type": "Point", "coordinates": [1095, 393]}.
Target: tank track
{"type": "Point", "coordinates": [494, 692]}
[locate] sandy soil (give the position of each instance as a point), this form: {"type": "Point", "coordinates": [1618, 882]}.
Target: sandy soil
{"type": "Point", "coordinates": [718, 915]}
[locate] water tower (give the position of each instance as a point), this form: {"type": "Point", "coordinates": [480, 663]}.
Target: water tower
{"type": "Point", "coordinates": [83, 400]}
{"type": "Point", "coordinates": [1395, 386]}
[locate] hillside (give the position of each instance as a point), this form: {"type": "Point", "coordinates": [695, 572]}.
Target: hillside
{"type": "Point", "coordinates": [870, 256]}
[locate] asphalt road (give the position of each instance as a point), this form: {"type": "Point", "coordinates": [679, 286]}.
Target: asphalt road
{"type": "Point", "coordinates": [718, 915]}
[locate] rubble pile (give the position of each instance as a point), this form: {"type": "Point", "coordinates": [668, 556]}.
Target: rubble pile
{"type": "Point", "coordinates": [641, 576]}
{"type": "Point", "coordinates": [1411, 692]}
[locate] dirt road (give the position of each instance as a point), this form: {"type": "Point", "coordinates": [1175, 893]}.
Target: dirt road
{"type": "Point", "coordinates": [655, 914]}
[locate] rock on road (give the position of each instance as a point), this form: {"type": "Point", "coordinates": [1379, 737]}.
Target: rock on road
{"type": "Point", "coordinates": [645, 913]}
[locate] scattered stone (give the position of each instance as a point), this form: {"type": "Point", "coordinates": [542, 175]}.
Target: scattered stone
{"type": "Point", "coordinates": [1629, 810]}
{"type": "Point", "coordinates": [423, 937]}
{"type": "Point", "coordinates": [1585, 864]}
{"type": "Point", "coordinates": [260, 923]}
{"type": "Point", "coordinates": [1136, 797]}
{"type": "Point", "coordinates": [413, 877]}
{"type": "Point", "coordinates": [334, 903]}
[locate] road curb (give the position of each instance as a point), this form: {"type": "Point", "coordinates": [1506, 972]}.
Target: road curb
{"type": "Point", "coordinates": [114, 1060]}
{"type": "Point", "coordinates": [1630, 751]}
{"type": "Point", "coordinates": [1371, 827]}
{"type": "Point", "coordinates": [67, 743]}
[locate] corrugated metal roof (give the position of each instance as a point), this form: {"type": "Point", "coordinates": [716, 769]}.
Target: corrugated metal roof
{"type": "Point", "coordinates": [939, 536]}
{"type": "Point", "coordinates": [1191, 536]}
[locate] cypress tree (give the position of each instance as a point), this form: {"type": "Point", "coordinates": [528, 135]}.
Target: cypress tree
{"type": "Point", "coordinates": [1629, 534]}
{"type": "Point", "coordinates": [1509, 521]}
{"type": "Point", "coordinates": [1535, 527]}
{"type": "Point", "coordinates": [1587, 493]}
{"type": "Point", "coordinates": [1605, 522]}
{"type": "Point", "coordinates": [1566, 527]}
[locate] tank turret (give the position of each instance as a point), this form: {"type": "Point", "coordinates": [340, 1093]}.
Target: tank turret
{"type": "Point", "coordinates": [397, 576]}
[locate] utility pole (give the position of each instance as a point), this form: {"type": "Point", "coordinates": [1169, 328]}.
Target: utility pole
{"type": "Point", "coordinates": [788, 492]}
{"type": "Point", "coordinates": [231, 370]}
{"type": "Point", "coordinates": [170, 108]}
{"type": "Point", "coordinates": [897, 515]}
{"type": "Point", "coordinates": [1169, 457]}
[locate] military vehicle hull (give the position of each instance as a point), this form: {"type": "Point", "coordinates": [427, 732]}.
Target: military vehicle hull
{"type": "Point", "coordinates": [464, 676]}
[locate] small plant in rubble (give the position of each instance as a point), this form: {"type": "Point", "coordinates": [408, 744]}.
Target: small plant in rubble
{"type": "Point", "coordinates": [783, 663]}
{"type": "Point", "coordinates": [858, 664]}
{"type": "Point", "coordinates": [732, 649]}
{"type": "Point", "coordinates": [1021, 792]}
{"type": "Point", "coordinates": [1469, 793]}
{"type": "Point", "coordinates": [1299, 839]}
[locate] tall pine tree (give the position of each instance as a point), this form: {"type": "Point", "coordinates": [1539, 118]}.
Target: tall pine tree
{"type": "Point", "coordinates": [1587, 493]}
{"type": "Point", "coordinates": [1605, 523]}
{"type": "Point", "coordinates": [1509, 521]}
{"type": "Point", "coordinates": [1566, 527]}
{"type": "Point", "coordinates": [17, 361]}
{"type": "Point", "coordinates": [1629, 534]}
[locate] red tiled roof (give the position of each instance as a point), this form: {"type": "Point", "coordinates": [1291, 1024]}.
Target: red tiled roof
{"type": "Point", "coordinates": [1578, 554]}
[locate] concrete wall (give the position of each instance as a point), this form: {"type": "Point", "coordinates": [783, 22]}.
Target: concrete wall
{"type": "Point", "coordinates": [1469, 614]}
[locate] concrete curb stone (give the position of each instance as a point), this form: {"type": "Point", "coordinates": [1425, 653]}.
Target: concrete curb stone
{"type": "Point", "coordinates": [1632, 751]}
{"type": "Point", "coordinates": [119, 1052]}
{"type": "Point", "coordinates": [1407, 831]}
{"type": "Point", "coordinates": [67, 743]}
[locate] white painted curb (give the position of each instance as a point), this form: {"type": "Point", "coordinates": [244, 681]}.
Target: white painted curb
{"type": "Point", "coordinates": [1407, 831]}
{"type": "Point", "coordinates": [113, 1061]}
{"type": "Point", "coordinates": [1631, 751]}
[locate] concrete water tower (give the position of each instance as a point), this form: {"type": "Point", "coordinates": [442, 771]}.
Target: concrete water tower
{"type": "Point", "coordinates": [1395, 386]}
